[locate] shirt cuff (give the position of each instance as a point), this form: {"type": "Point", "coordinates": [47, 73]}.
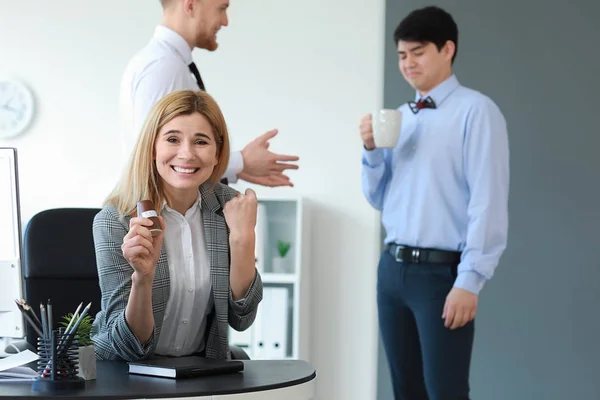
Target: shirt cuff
{"type": "Point", "coordinates": [236, 165]}
{"type": "Point", "coordinates": [373, 157]}
{"type": "Point", "coordinates": [470, 281]}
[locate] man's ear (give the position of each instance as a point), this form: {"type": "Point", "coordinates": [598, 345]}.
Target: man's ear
{"type": "Point", "coordinates": [449, 49]}
{"type": "Point", "coordinates": [189, 6]}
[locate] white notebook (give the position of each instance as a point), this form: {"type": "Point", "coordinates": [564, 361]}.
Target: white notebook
{"type": "Point", "coordinates": [12, 370]}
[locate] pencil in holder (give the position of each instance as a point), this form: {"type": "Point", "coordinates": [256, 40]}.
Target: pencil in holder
{"type": "Point", "coordinates": [58, 363]}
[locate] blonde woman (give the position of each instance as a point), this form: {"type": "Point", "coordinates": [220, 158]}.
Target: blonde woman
{"type": "Point", "coordinates": [177, 293]}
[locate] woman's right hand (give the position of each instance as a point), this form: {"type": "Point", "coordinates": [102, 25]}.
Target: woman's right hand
{"type": "Point", "coordinates": [142, 250]}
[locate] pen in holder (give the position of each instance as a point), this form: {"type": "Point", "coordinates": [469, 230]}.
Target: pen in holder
{"type": "Point", "coordinates": [58, 363]}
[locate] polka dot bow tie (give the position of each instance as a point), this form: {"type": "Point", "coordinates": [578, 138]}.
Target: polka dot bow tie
{"type": "Point", "coordinates": [416, 106]}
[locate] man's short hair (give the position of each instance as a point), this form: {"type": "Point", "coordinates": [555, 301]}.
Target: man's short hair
{"type": "Point", "coordinates": [428, 24]}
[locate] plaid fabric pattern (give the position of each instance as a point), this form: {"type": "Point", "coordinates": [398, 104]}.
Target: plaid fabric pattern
{"type": "Point", "coordinates": [113, 338]}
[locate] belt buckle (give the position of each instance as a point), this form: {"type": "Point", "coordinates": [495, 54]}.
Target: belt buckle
{"type": "Point", "coordinates": [415, 256]}
{"type": "Point", "coordinates": [397, 255]}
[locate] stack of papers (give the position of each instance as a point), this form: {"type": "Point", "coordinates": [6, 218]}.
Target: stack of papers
{"type": "Point", "coordinates": [12, 370]}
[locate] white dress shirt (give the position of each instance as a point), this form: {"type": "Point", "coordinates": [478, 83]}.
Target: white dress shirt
{"type": "Point", "coordinates": [158, 69]}
{"type": "Point", "coordinates": [190, 298]}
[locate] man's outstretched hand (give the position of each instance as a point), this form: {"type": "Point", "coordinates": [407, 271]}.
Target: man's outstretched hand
{"type": "Point", "coordinates": [264, 167]}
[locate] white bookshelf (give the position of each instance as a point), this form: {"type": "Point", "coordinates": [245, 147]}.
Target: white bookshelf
{"type": "Point", "coordinates": [281, 329]}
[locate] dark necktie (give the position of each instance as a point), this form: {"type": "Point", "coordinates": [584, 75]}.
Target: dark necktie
{"type": "Point", "coordinates": [196, 73]}
{"type": "Point", "coordinates": [417, 106]}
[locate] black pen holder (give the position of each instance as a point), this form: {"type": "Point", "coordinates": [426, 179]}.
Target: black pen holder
{"type": "Point", "coordinates": [58, 363]}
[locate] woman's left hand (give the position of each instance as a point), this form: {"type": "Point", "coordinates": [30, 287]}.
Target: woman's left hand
{"type": "Point", "coordinates": [240, 213]}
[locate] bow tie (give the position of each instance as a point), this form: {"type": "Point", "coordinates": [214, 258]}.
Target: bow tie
{"type": "Point", "coordinates": [427, 102]}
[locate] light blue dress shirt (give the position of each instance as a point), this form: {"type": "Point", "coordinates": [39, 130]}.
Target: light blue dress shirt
{"type": "Point", "coordinates": [445, 185]}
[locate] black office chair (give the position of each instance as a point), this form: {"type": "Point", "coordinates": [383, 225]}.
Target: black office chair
{"type": "Point", "coordinates": [60, 264]}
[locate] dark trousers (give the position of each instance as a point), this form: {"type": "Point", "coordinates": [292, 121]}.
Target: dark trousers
{"type": "Point", "coordinates": [427, 360]}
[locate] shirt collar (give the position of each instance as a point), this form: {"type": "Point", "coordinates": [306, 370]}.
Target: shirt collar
{"type": "Point", "coordinates": [198, 203]}
{"type": "Point", "coordinates": [174, 40]}
{"type": "Point", "coordinates": [441, 91]}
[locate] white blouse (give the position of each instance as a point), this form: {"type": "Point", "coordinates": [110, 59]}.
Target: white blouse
{"type": "Point", "coordinates": [190, 298]}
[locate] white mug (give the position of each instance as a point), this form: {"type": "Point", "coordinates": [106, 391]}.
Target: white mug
{"type": "Point", "coordinates": [386, 128]}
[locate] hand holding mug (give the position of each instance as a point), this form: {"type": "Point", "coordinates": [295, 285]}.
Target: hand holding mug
{"type": "Point", "coordinates": [366, 131]}
{"type": "Point", "coordinates": [386, 128]}
{"type": "Point", "coordinates": [381, 129]}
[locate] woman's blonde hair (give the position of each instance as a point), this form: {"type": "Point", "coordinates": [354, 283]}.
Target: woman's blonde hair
{"type": "Point", "coordinates": [140, 180]}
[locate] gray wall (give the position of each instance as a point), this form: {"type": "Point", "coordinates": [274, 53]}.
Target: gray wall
{"type": "Point", "coordinates": [538, 323]}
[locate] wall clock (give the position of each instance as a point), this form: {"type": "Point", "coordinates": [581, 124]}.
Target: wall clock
{"type": "Point", "coordinates": [16, 107]}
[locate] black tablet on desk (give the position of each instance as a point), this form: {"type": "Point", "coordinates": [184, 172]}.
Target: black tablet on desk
{"type": "Point", "coordinates": [184, 367]}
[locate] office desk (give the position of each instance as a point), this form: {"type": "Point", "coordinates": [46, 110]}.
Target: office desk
{"type": "Point", "coordinates": [260, 380]}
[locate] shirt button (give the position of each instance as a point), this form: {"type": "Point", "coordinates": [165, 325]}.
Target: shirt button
{"type": "Point", "coordinates": [185, 321]}
{"type": "Point", "coordinates": [189, 255]}
{"type": "Point", "coordinates": [190, 290]}
{"type": "Point", "coordinates": [177, 348]}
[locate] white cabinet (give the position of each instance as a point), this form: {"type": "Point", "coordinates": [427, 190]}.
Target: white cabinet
{"type": "Point", "coordinates": [281, 328]}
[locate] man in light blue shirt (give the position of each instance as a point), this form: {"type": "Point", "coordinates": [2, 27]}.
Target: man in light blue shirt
{"type": "Point", "coordinates": [443, 192]}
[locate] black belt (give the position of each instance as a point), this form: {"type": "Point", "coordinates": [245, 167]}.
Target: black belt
{"type": "Point", "coordinates": [416, 255]}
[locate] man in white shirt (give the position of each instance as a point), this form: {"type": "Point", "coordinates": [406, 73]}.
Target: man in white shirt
{"type": "Point", "coordinates": [166, 65]}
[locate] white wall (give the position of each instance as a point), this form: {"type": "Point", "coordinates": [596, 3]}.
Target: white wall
{"type": "Point", "coordinates": [310, 68]}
